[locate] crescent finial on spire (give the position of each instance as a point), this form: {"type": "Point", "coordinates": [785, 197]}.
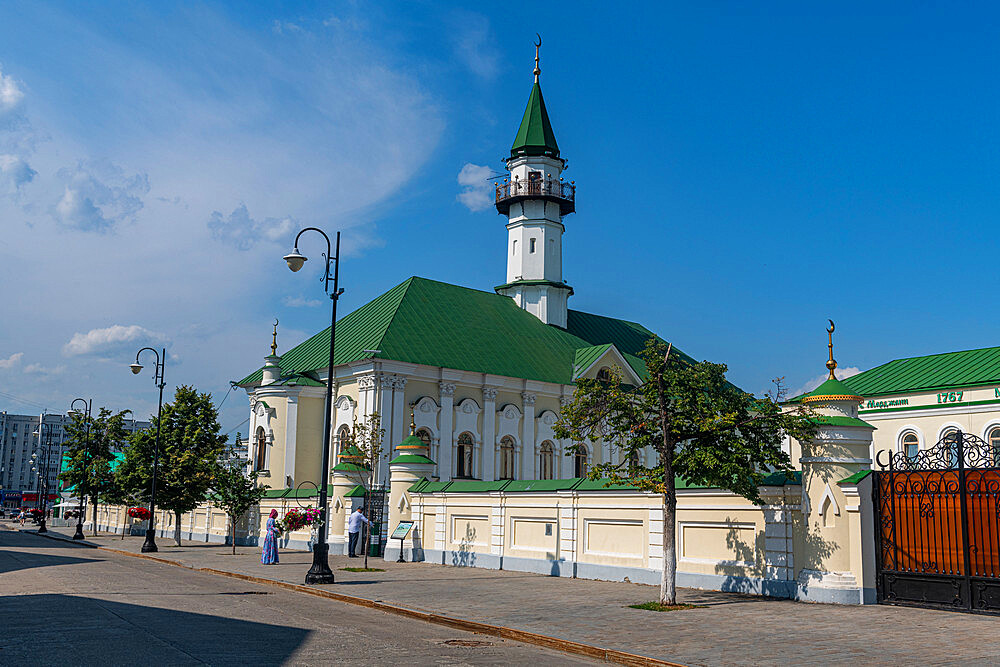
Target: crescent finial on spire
{"type": "Point", "coordinates": [274, 339]}
{"type": "Point", "coordinates": [832, 363]}
{"type": "Point", "coordinates": [538, 45]}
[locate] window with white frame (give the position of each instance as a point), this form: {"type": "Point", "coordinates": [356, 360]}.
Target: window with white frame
{"type": "Point", "coordinates": [546, 459]}
{"type": "Point", "coordinates": [507, 457]}
{"type": "Point", "coordinates": [909, 444]}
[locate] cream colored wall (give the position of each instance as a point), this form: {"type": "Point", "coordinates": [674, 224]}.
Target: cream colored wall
{"type": "Point", "coordinates": [308, 439]}
{"type": "Point", "coordinates": [276, 464]}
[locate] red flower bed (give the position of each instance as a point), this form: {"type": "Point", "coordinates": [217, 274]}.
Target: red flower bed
{"type": "Point", "coordinates": [138, 513]}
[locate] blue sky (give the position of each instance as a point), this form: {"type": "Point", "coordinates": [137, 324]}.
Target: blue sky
{"type": "Point", "coordinates": [743, 174]}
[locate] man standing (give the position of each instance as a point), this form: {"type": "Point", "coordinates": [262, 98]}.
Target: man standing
{"type": "Point", "coordinates": [354, 530]}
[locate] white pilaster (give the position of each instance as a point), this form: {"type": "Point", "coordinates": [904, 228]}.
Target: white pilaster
{"type": "Point", "coordinates": [446, 443]}
{"type": "Point", "coordinates": [291, 426]}
{"type": "Point", "coordinates": [489, 432]}
{"type": "Point", "coordinates": [529, 453]}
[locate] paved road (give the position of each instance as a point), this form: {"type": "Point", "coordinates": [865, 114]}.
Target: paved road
{"type": "Point", "coordinates": [63, 604]}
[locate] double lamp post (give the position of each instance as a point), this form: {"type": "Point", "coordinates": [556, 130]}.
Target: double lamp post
{"type": "Point", "coordinates": [86, 415]}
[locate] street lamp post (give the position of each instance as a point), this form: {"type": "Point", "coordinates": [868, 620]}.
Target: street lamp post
{"type": "Point", "coordinates": [42, 462]}
{"type": "Point", "coordinates": [320, 572]}
{"type": "Point", "coordinates": [87, 410]}
{"type": "Point", "coordinates": [161, 360]}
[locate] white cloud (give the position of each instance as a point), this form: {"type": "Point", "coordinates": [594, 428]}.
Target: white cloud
{"type": "Point", "coordinates": [97, 195]}
{"type": "Point", "coordinates": [44, 370]}
{"type": "Point", "coordinates": [840, 374]}
{"type": "Point", "coordinates": [110, 340]}
{"type": "Point", "coordinates": [301, 302]}
{"type": "Point", "coordinates": [241, 231]}
{"type": "Point", "coordinates": [14, 172]}
{"type": "Point", "coordinates": [10, 93]}
{"type": "Point", "coordinates": [474, 45]}
{"type": "Point", "coordinates": [12, 360]}
{"type": "Point", "coordinates": [476, 192]}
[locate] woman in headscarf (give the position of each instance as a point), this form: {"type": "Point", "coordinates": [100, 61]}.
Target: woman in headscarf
{"type": "Point", "coordinates": [269, 554]}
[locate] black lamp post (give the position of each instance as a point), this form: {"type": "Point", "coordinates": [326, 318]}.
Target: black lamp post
{"type": "Point", "coordinates": [86, 412]}
{"type": "Point", "coordinates": [320, 572]}
{"type": "Point", "coordinates": [161, 360]}
{"type": "Point", "coordinates": [42, 469]}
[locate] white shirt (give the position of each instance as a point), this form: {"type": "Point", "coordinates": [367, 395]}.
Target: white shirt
{"type": "Point", "coordinates": [354, 522]}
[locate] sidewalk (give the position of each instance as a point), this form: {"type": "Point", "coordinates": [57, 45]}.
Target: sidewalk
{"type": "Point", "coordinates": [728, 629]}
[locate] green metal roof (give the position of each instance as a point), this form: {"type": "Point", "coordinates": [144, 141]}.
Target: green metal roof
{"type": "Point", "coordinates": [783, 479]}
{"type": "Point", "coordinates": [411, 458]}
{"type": "Point", "coordinates": [523, 485]}
{"type": "Point", "coordinates": [585, 356]}
{"type": "Point", "coordinates": [417, 321]}
{"type": "Point", "coordinates": [824, 420]}
{"type": "Point", "coordinates": [856, 477]}
{"type": "Point", "coordinates": [357, 492]}
{"type": "Point", "coordinates": [304, 492]}
{"type": "Point", "coordinates": [831, 387]}
{"type": "Point", "coordinates": [535, 136]}
{"type": "Point", "coordinates": [936, 371]}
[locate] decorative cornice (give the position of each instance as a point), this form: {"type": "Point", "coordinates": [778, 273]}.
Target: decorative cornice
{"type": "Point", "coordinates": [366, 382]}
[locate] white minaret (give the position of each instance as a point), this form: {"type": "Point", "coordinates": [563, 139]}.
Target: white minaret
{"type": "Point", "coordinates": [535, 198]}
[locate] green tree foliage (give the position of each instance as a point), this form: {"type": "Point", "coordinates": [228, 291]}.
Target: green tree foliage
{"type": "Point", "coordinates": [190, 447]}
{"type": "Point", "coordinates": [92, 443]}
{"type": "Point", "coordinates": [698, 427]}
{"type": "Point", "coordinates": [236, 490]}
{"type": "Point", "coordinates": [359, 459]}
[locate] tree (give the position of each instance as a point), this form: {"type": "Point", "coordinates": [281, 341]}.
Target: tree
{"type": "Point", "coordinates": [91, 446]}
{"type": "Point", "coordinates": [360, 457]}
{"type": "Point", "coordinates": [701, 428]}
{"type": "Point", "coordinates": [190, 447]}
{"type": "Point", "coordinates": [236, 490]}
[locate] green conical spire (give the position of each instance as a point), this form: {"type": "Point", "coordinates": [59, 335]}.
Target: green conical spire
{"type": "Point", "coordinates": [535, 136]}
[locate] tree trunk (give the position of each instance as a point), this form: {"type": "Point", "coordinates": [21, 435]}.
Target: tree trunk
{"type": "Point", "coordinates": [94, 503]}
{"type": "Point", "coordinates": [668, 578]}
{"type": "Point", "coordinates": [124, 523]}
{"type": "Point", "coordinates": [232, 523]}
{"type": "Point", "coordinates": [177, 527]}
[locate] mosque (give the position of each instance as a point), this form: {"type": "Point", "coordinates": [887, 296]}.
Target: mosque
{"type": "Point", "coordinates": [484, 402]}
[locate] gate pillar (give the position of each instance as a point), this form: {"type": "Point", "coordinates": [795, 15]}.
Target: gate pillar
{"type": "Point", "coordinates": [410, 465]}
{"type": "Point", "coordinates": [832, 561]}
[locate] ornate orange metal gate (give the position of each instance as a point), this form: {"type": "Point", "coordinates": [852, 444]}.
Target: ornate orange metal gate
{"type": "Point", "coordinates": [938, 526]}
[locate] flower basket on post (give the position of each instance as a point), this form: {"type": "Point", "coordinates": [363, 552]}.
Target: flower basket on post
{"type": "Point", "coordinates": [297, 518]}
{"type": "Point", "coordinates": [138, 515]}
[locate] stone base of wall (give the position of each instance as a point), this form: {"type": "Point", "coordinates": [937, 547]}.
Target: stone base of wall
{"type": "Point", "coordinates": [139, 530]}
{"type": "Point", "coordinates": [793, 590]}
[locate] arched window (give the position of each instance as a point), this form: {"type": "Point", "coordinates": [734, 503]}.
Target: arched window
{"type": "Point", "coordinates": [949, 435]}
{"type": "Point", "coordinates": [580, 462]}
{"type": "Point", "coordinates": [910, 444]}
{"type": "Point", "coordinates": [545, 460]}
{"type": "Point", "coordinates": [464, 459]}
{"type": "Point", "coordinates": [260, 461]}
{"type": "Point", "coordinates": [993, 437]}
{"type": "Point", "coordinates": [507, 458]}
{"type": "Point", "coordinates": [425, 436]}
{"type": "Point", "coordinates": [604, 375]}
{"type": "Point", "coordinates": [343, 437]}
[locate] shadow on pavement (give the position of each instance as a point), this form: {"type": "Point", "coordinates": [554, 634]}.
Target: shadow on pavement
{"type": "Point", "coordinates": [81, 630]}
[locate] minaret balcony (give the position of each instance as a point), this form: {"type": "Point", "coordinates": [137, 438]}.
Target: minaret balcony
{"type": "Point", "coordinates": [560, 192]}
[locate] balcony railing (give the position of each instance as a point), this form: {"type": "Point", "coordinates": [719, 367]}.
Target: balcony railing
{"type": "Point", "coordinates": [560, 191]}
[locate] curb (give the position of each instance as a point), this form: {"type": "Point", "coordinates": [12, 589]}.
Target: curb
{"type": "Point", "coordinates": [524, 636]}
